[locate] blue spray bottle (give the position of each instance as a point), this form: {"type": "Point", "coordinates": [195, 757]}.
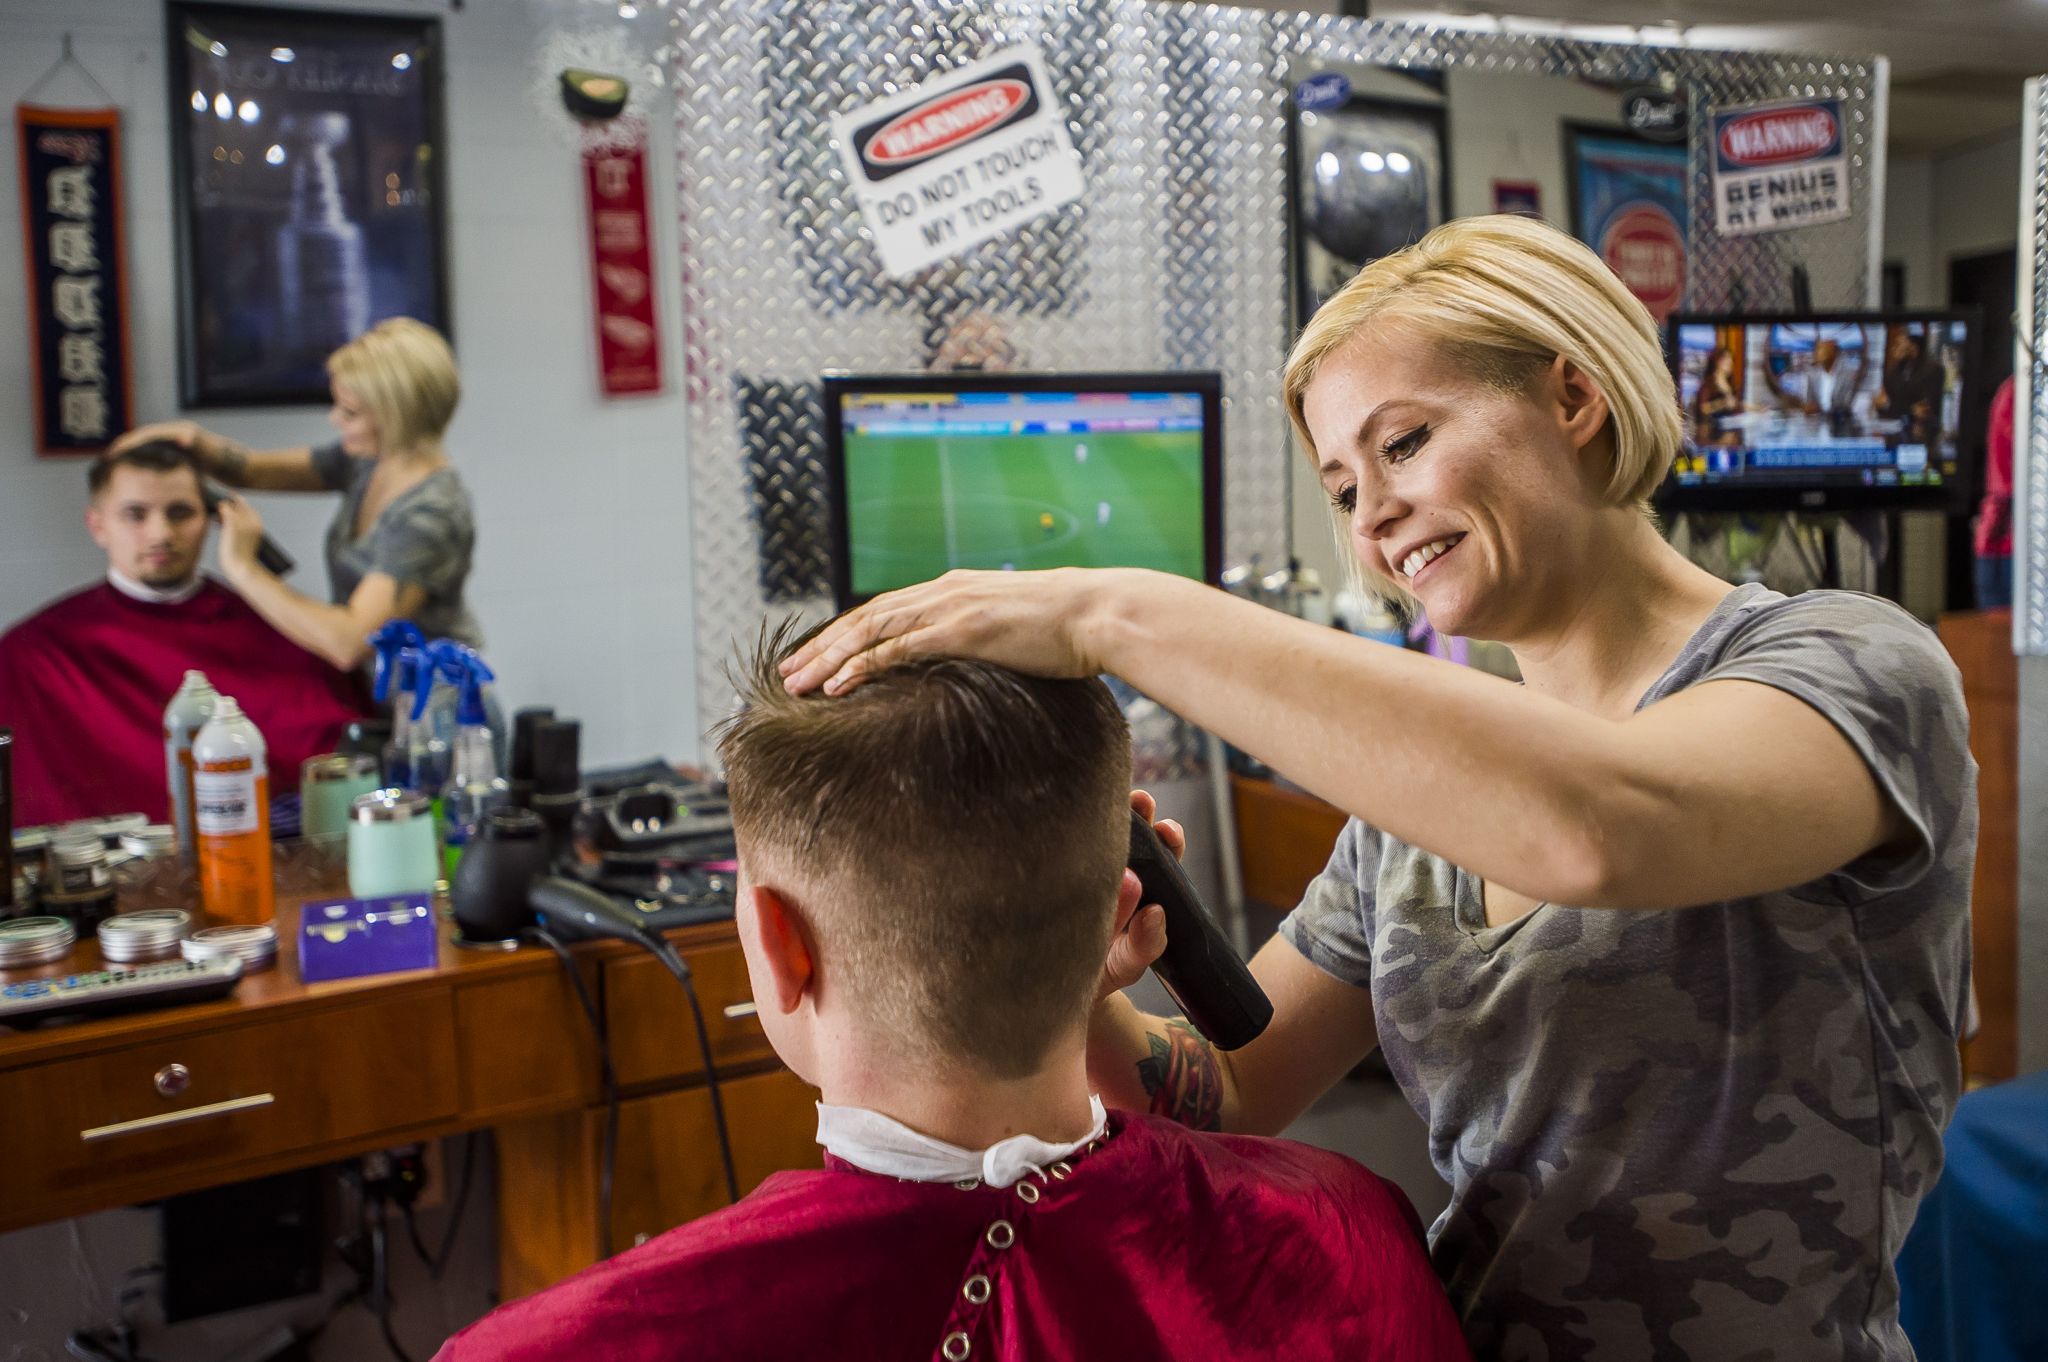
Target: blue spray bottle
{"type": "Point", "coordinates": [473, 787]}
{"type": "Point", "coordinates": [427, 752]}
{"type": "Point", "coordinates": [397, 647]}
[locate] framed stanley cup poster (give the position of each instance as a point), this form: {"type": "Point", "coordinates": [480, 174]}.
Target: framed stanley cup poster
{"type": "Point", "coordinates": [307, 177]}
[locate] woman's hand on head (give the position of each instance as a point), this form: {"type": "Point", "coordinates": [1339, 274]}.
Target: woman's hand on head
{"type": "Point", "coordinates": [1033, 622]}
{"type": "Point", "coordinates": [184, 434]}
{"type": "Point", "coordinates": [1139, 937]}
{"type": "Point", "coordinates": [221, 458]}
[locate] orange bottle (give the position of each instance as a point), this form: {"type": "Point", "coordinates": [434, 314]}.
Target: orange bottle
{"type": "Point", "coordinates": [231, 812]}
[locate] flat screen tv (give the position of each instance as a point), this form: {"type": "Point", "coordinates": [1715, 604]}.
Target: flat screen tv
{"type": "Point", "coordinates": [1021, 471]}
{"type": "Point", "coordinates": [1819, 411]}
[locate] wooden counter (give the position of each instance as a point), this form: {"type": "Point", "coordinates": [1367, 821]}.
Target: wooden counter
{"type": "Point", "coordinates": [284, 1074]}
{"type": "Point", "coordinates": [1284, 839]}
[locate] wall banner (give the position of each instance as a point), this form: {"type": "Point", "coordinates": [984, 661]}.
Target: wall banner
{"type": "Point", "coordinates": [77, 275]}
{"type": "Point", "coordinates": [622, 267]}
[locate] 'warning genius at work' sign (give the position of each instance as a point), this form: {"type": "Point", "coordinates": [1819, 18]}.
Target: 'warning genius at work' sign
{"type": "Point", "coordinates": [1778, 166]}
{"type": "Point", "coordinates": [964, 157]}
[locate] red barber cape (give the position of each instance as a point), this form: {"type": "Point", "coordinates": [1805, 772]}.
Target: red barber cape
{"type": "Point", "coordinates": [1153, 1243]}
{"type": "Point", "coordinates": [84, 683]}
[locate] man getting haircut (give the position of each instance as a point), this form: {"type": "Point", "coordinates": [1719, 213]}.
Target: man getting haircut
{"type": "Point", "coordinates": [931, 870]}
{"type": "Point", "coordinates": [84, 680]}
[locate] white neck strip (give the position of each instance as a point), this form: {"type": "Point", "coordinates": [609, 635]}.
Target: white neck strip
{"type": "Point", "coordinates": [150, 595]}
{"type": "Point", "coordinates": [882, 1144]}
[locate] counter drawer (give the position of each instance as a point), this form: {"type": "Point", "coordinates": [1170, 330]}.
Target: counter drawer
{"type": "Point", "coordinates": [647, 1015]}
{"type": "Point", "coordinates": [167, 1111]}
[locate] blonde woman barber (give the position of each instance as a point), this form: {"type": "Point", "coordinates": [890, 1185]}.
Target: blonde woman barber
{"type": "Point", "coordinates": [1667, 945]}
{"type": "Point", "coordinates": [402, 538]}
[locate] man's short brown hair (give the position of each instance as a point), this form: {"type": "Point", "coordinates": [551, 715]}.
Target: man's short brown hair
{"type": "Point", "coordinates": [956, 833]}
{"type": "Point", "coordinates": [153, 456]}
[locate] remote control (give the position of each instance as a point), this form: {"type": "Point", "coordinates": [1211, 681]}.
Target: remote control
{"type": "Point", "coordinates": [1206, 977]}
{"type": "Point", "coordinates": [90, 995]}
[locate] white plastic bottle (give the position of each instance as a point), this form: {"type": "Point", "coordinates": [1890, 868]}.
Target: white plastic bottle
{"type": "Point", "coordinates": [187, 713]}
{"type": "Point", "coordinates": [231, 809]}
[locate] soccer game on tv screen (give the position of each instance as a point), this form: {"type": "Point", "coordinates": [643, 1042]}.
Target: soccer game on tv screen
{"type": "Point", "coordinates": [1019, 481]}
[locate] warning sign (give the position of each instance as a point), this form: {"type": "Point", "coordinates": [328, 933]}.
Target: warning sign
{"type": "Point", "coordinates": [964, 157]}
{"type": "Point", "coordinates": [1779, 166]}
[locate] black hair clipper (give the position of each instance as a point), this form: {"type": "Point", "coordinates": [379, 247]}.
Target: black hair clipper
{"type": "Point", "coordinates": [268, 551]}
{"type": "Point", "coordinates": [1206, 977]}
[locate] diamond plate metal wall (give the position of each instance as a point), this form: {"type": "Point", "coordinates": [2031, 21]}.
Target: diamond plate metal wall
{"type": "Point", "coordinates": [2030, 393]}
{"type": "Point", "coordinates": [1175, 259]}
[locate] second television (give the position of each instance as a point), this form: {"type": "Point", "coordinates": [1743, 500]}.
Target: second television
{"type": "Point", "coordinates": [1822, 410]}
{"type": "Point", "coordinates": [1021, 471]}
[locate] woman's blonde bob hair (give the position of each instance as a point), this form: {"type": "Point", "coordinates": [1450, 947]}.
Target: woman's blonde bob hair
{"type": "Point", "coordinates": [403, 372]}
{"type": "Point", "coordinates": [1506, 295]}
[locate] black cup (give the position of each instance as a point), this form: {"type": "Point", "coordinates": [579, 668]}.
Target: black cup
{"type": "Point", "coordinates": [495, 873]}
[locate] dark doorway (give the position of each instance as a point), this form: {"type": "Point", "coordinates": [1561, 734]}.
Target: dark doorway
{"type": "Point", "coordinates": [1990, 284]}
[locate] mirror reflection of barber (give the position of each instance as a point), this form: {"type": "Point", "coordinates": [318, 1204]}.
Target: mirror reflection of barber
{"type": "Point", "coordinates": [402, 540]}
{"type": "Point", "coordinates": [84, 678]}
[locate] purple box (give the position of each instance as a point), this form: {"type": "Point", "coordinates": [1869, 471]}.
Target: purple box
{"type": "Point", "coordinates": [349, 938]}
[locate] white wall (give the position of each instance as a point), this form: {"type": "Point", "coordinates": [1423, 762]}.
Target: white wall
{"type": "Point", "coordinates": [1949, 206]}
{"type": "Point", "coordinates": [1909, 229]}
{"type": "Point", "coordinates": [582, 579]}
{"type": "Point", "coordinates": [1511, 127]}
{"type": "Point", "coordinates": [1975, 193]}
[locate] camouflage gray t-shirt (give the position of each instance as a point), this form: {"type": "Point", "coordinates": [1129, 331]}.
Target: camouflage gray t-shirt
{"type": "Point", "coordinates": [424, 538]}
{"type": "Point", "coordinates": [1701, 1133]}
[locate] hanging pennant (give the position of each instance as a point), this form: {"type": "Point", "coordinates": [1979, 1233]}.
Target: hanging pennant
{"type": "Point", "coordinates": [622, 265]}
{"type": "Point", "coordinates": [77, 275]}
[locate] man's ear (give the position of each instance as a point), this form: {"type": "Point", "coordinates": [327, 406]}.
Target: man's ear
{"type": "Point", "coordinates": [95, 523]}
{"type": "Point", "coordinates": [786, 947]}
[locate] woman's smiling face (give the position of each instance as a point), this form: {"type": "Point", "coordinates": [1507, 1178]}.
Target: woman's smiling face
{"type": "Point", "coordinates": [1474, 500]}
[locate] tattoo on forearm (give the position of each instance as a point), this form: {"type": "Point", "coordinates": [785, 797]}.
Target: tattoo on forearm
{"type": "Point", "coordinates": [1184, 1078]}
{"type": "Point", "coordinates": [231, 463]}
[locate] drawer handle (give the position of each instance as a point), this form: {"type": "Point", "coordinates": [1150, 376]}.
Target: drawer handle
{"type": "Point", "coordinates": [735, 1011]}
{"type": "Point", "coordinates": [176, 1118]}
